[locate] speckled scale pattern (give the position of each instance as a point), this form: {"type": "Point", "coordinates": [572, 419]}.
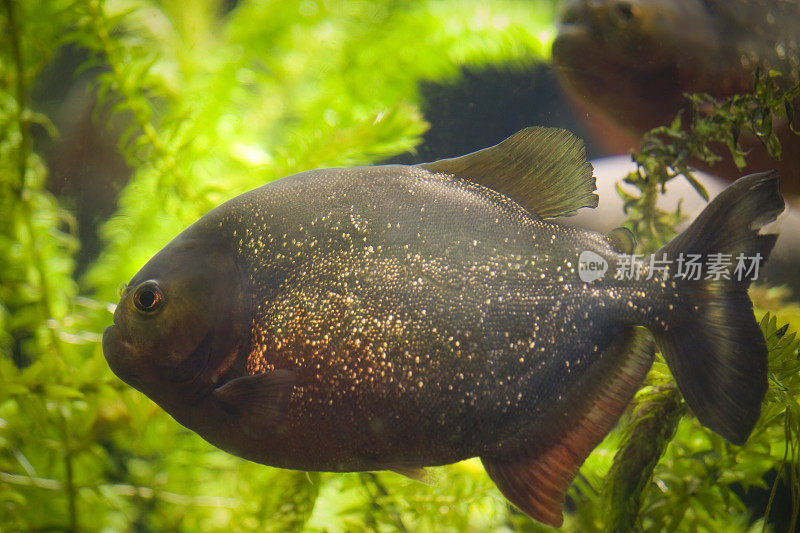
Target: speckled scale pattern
{"type": "Point", "coordinates": [427, 317]}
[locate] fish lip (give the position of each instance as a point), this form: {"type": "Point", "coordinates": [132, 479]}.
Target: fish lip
{"type": "Point", "coordinates": [576, 25]}
{"type": "Point", "coordinates": [577, 22]}
{"type": "Point", "coordinates": [113, 341]}
{"type": "Point", "coordinates": [120, 354]}
{"type": "Point", "coordinates": [573, 31]}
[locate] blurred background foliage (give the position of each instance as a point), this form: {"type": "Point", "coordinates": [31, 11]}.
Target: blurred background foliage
{"type": "Point", "coordinates": [208, 99]}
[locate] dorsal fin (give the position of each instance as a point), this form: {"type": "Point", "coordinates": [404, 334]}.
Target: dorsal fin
{"type": "Point", "coordinates": [536, 480]}
{"type": "Point", "coordinates": [543, 169]}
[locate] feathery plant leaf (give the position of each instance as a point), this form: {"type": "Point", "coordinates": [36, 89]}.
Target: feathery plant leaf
{"type": "Point", "coordinates": [666, 152]}
{"type": "Point", "coordinates": [215, 98]}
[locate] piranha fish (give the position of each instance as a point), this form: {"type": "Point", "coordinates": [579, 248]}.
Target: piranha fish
{"type": "Point", "coordinates": [396, 317]}
{"type": "Point", "coordinates": [628, 63]}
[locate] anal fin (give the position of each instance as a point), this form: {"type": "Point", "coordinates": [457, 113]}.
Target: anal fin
{"type": "Point", "coordinates": [536, 479]}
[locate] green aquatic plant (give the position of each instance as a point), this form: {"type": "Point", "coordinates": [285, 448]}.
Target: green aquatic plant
{"type": "Point", "coordinates": [671, 474]}
{"type": "Point", "coordinates": [214, 98]}
{"type": "Point", "coordinates": [265, 92]}
{"type": "Point", "coordinates": [36, 288]}
{"type": "Point", "coordinates": [668, 152]}
{"type": "Point", "coordinates": [656, 416]}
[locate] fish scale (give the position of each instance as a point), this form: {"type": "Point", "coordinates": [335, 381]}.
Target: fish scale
{"type": "Point", "coordinates": [397, 317]}
{"type": "Point", "coordinates": [365, 321]}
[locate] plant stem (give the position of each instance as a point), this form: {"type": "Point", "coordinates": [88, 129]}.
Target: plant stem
{"type": "Point", "coordinates": [24, 197]}
{"type": "Point", "coordinates": [22, 167]}
{"type": "Point", "coordinates": [648, 434]}
{"type": "Point", "coordinates": [69, 485]}
{"type": "Point", "coordinates": [121, 489]}
{"type": "Point", "coordinates": [390, 510]}
{"type": "Point", "coordinates": [16, 51]}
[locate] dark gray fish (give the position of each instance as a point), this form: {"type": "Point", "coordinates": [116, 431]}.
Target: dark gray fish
{"type": "Point", "coordinates": [628, 63]}
{"type": "Point", "coordinates": [395, 317]}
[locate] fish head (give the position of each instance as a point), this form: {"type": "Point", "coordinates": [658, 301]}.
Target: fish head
{"type": "Point", "coordinates": [634, 31]}
{"type": "Point", "coordinates": [635, 58]}
{"type": "Point", "coordinates": [179, 325]}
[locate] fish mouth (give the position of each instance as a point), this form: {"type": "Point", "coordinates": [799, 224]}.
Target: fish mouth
{"type": "Point", "coordinates": [120, 355]}
{"type": "Point", "coordinates": [570, 33]}
{"type": "Point", "coordinates": [114, 346]}
{"type": "Point", "coordinates": [578, 23]}
{"type": "Point", "coordinates": [570, 47]}
{"type": "Point", "coordinates": [123, 359]}
{"type": "Point", "coordinates": [575, 32]}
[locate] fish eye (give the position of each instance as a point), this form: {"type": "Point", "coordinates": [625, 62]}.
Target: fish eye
{"type": "Point", "coordinates": [148, 297]}
{"type": "Point", "coordinates": [623, 13]}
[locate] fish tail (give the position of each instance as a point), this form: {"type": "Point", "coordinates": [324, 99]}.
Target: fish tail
{"type": "Point", "coordinates": [714, 347]}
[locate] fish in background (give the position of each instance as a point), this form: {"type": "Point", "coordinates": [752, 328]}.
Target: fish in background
{"type": "Point", "coordinates": [627, 63]}
{"type": "Point", "coordinates": [395, 317]}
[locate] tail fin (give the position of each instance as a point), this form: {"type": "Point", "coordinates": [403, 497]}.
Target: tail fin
{"type": "Point", "coordinates": [716, 351]}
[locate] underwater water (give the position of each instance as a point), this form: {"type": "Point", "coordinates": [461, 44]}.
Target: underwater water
{"type": "Point", "coordinates": [122, 122]}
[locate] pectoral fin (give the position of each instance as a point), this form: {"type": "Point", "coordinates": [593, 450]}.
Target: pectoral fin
{"type": "Point", "coordinates": [536, 480]}
{"type": "Point", "coordinates": [259, 400]}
